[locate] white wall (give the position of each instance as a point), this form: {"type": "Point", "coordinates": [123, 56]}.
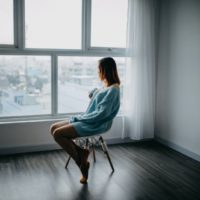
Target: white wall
{"type": "Point", "coordinates": [20, 137]}
{"type": "Point", "coordinates": [178, 83]}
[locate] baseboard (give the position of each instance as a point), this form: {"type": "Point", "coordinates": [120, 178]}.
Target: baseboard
{"type": "Point", "coordinates": [111, 141]}
{"type": "Point", "coordinates": [27, 148]}
{"type": "Point", "coordinates": [178, 148]}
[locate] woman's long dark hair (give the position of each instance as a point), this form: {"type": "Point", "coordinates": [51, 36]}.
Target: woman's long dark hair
{"type": "Point", "coordinates": [108, 70]}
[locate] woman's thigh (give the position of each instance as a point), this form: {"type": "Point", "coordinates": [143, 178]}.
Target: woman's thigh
{"type": "Point", "coordinates": [67, 131]}
{"type": "Point", "coordinates": [57, 125]}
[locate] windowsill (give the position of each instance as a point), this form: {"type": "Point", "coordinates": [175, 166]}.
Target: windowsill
{"type": "Point", "coordinates": [39, 118]}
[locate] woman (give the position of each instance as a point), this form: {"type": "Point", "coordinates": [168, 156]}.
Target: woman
{"type": "Point", "coordinates": [103, 107]}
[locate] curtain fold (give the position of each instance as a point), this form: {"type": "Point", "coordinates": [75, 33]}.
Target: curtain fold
{"type": "Point", "coordinates": [139, 88]}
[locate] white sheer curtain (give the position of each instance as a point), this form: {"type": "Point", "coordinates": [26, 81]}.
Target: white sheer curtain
{"type": "Point", "coordinates": [139, 98]}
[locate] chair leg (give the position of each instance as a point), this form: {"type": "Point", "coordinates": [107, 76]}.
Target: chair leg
{"type": "Point", "coordinates": [67, 162]}
{"type": "Point", "coordinates": [105, 150]}
{"type": "Point", "coordinates": [94, 155]}
{"type": "Point", "coordinates": [87, 144]}
{"type": "Point", "coordinates": [109, 159]}
{"type": "Point", "coordinates": [93, 144]}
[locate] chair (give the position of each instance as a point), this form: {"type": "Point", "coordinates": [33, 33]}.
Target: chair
{"type": "Point", "coordinates": [90, 143]}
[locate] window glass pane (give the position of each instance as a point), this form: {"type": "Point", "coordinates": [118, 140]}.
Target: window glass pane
{"type": "Point", "coordinates": [6, 22]}
{"type": "Point", "coordinates": [108, 23]}
{"type": "Point", "coordinates": [76, 77]}
{"type": "Point", "coordinates": [53, 24]}
{"type": "Point", "coordinates": [25, 85]}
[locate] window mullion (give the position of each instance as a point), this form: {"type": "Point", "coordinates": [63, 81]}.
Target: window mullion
{"type": "Point", "coordinates": [54, 84]}
{"type": "Point", "coordinates": [87, 24]}
{"type": "Point", "coordinates": [83, 25]}
{"type": "Point", "coordinates": [19, 24]}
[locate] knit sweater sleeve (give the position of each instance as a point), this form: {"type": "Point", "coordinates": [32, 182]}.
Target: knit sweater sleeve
{"type": "Point", "coordinates": [102, 110]}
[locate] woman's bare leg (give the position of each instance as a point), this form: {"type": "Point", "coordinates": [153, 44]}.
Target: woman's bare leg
{"type": "Point", "coordinates": [64, 136]}
{"type": "Point", "coordinates": [57, 125]}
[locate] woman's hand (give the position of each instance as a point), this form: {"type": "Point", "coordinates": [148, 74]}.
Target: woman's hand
{"type": "Point", "coordinates": [92, 92]}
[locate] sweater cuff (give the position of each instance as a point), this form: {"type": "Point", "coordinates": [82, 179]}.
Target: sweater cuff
{"type": "Point", "coordinates": [72, 119]}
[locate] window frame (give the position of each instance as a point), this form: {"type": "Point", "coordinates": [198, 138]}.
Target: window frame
{"type": "Point", "coordinates": [86, 50]}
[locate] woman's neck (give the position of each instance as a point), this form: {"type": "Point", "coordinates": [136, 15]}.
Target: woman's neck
{"type": "Point", "coordinates": [105, 84]}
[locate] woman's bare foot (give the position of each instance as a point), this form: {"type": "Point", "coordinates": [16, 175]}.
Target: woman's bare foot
{"type": "Point", "coordinates": [83, 163]}
{"type": "Point", "coordinates": [84, 170]}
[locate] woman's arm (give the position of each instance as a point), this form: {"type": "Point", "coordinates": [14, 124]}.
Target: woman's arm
{"type": "Point", "coordinates": [103, 110]}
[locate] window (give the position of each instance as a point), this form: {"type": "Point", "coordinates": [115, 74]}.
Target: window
{"type": "Point", "coordinates": [76, 77]}
{"type": "Point", "coordinates": [6, 22]}
{"type": "Point", "coordinates": [25, 85]}
{"type": "Point", "coordinates": [49, 52]}
{"type": "Point", "coordinates": [108, 23]}
{"type": "Point", "coordinates": [53, 24]}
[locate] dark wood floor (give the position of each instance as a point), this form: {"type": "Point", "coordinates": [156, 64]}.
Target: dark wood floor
{"type": "Point", "coordinates": [143, 171]}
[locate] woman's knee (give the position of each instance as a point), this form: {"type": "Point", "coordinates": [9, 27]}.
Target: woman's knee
{"type": "Point", "coordinates": [57, 125]}
{"type": "Point", "coordinates": [52, 128]}
{"type": "Point", "coordinates": [56, 134]}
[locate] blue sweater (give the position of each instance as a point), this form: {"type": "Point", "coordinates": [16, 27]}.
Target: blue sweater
{"type": "Point", "coordinates": [101, 110]}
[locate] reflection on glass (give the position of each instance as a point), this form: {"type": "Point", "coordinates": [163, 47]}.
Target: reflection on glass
{"type": "Point", "coordinates": [53, 24]}
{"type": "Point", "coordinates": [76, 77]}
{"type": "Point", "coordinates": [108, 23]}
{"type": "Point", "coordinates": [25, 85]}
{"type": "Point", "coordinates": [6, 22]}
